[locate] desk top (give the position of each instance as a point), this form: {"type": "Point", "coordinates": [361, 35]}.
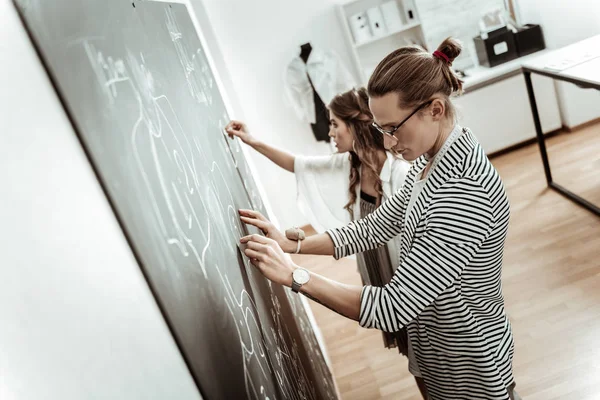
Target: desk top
{"type": "Point", "coordinates": [579, 62]}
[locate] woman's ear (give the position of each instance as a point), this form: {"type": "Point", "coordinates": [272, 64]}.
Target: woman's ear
{"type": "Point", "coordinates": [438, 109]}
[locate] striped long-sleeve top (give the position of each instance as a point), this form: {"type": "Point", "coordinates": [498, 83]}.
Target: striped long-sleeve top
{"type": "Point", "coordinates": [447, 289]}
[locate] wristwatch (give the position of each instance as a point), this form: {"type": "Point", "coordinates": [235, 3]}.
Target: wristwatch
{"type": "Point", "coordinates": [296, 234]}
{"type": "Point", "coordinates": [300, 276]}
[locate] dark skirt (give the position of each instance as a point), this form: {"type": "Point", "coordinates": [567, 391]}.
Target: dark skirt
{"type": "Point", "coordinates": [376, 269]}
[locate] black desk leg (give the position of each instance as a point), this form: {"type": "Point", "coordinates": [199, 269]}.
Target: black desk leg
{"type": "Point", "coordinates": [542, 144]}
{"type": "Point", "coordinates": [538, 127]}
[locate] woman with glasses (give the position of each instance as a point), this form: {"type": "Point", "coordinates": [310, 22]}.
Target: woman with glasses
{"type": "Point", "coordinates": [336, 189]}
{"type": "Point", "coordinates": [452, 217]}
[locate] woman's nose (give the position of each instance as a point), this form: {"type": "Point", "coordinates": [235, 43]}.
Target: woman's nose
{"type": "Point", "coordinates": [389, 141]}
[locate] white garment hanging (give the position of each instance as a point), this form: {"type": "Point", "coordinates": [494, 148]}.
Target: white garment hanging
{"type": "Point", "coordinates": [328, 75]}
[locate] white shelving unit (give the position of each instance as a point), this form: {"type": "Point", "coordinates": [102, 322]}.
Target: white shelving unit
{"type": "Point", "coordinates": [404, 29]}
{"type": "Point", "coordinates": [370, 51]}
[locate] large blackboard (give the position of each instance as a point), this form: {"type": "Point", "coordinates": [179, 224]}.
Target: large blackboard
{"type": "Point", "coordinates": [140, 93]}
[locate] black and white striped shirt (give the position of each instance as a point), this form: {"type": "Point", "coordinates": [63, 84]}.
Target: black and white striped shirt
{"type": "Point", "coordinates": [447, 288]}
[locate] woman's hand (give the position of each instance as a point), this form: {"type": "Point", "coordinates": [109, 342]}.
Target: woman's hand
{"type": "Point", "coordinates": [258, 220]}
{"type": "Point", "coordinates": [283, 159]}
{"type": "Point", "coordinates": [267, 256]}
{"type": "Point", "coordinates": [239, 129]}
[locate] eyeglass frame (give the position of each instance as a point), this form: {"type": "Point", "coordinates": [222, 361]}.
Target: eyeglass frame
{"type": "Point", "coordinates": [395, 128]}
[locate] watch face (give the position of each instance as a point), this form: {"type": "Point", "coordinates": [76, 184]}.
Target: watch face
{"type": "Point", "coordinates": [301, 276]}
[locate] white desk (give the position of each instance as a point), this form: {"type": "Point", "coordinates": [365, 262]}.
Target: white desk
{"type": "Point", "coordinates": [479, 77]}
{"type": "Point", "coordinates": [578, 63]}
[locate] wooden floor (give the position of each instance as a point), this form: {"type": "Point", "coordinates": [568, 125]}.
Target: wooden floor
{"type": "Point", "coordinates": [551, 284]}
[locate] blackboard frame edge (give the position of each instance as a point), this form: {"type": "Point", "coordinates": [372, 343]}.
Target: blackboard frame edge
{"type": "Point", "coordinates": [54, 83]}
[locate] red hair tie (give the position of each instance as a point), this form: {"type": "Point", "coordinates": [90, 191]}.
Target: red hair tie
{"type": "Point", "coordinates": [442, 56]}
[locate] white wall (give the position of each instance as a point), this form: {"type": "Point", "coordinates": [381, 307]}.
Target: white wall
{"type": "Point", "coordinates": [77, 318]}
{"type": "Point", "coordinates": [257, 40]}
{"type": "Point", "coordinates": [457, 18]}
{"type": "Point", "coordinates": [564, 22]}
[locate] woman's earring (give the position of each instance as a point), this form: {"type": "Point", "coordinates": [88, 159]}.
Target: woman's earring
{"type": "Point", "coordinates": [354, 146]}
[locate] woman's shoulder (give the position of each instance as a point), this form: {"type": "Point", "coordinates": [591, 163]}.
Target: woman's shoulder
{"type": "Point", "coordinates": [399, 163]}
{"type": "Point", "coordinates": [399, 169]}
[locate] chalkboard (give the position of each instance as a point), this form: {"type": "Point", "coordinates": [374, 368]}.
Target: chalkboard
{"type": "Point", "coordinates": [140, 93]}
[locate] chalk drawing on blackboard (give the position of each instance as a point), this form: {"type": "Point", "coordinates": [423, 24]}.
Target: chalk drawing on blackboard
{"type": "Point", "coordinates": [201, 91]}
{"type": "Point", "coordinates": [183, 200]}
{"type": "Point", "coordinates": [108, 71]}
{"type": "Point", "coordinates": [151, 120]}
{"type": "Point", "coordinates": [157, 117]}
{"type": "Point", "coordinates": [245, 172]}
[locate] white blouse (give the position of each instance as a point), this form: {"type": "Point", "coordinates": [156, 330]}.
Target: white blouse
{"type": "Point", "coordinates": [322, 185]}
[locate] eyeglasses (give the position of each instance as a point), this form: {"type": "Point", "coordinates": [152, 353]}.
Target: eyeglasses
{"type": "Point", "coordinates": [395, 128]}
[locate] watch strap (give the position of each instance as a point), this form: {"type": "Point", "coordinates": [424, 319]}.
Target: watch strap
{"type": "Point", "coordinates": [295, 286]}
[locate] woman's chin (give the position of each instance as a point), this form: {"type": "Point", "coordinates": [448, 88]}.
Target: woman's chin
{"type": "Point", "coordinates": [407, 155]}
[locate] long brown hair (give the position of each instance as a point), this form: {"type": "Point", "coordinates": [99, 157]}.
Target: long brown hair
{"type": "Point", "coordinates": [417, 75]}
{"type": "Point", "coordinates": [352, 107]}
